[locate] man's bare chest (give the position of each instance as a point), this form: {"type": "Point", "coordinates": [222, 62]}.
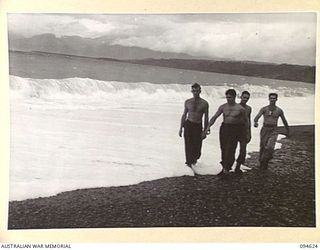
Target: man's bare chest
{"type": "Point", "coordinates": [195, 107]}
{"type": "Point", "coordinates": [231, 112]}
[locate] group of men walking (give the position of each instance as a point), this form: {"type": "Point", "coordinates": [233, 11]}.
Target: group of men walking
{"type": "Point", "coordinates": [235, 128]}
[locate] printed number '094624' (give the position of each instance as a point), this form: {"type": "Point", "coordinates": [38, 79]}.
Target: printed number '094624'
{"type": "Point", "coordinates": [308, 246]}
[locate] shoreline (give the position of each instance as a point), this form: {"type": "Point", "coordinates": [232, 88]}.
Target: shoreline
{"type": "Point", "coordinates": [275, 71]}
{"type": "Point", "coordinates": [281, 196]}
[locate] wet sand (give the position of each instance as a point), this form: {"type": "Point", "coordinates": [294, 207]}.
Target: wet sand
{"type": "Point", "coordinates": [281, 196]}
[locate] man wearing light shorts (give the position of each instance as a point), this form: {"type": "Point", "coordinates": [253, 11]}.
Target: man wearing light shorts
{"type": "Point", "coordinates": [268, 133]}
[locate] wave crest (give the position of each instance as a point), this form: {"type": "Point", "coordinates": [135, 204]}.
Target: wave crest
{"type": "Point", "coordinates": [90, 88]}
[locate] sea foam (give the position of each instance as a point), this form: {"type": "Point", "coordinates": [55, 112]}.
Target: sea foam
{"type": "Point", "coordinates": [90, 88]}
{"type": "Point", "coordinates": [82, 133]}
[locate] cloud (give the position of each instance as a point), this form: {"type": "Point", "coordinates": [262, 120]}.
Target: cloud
{"type": "Point", "coordinates": [241, 41]}
{"type": "Point", "coordinates": [34, 24]}
{"type": "Point", "coordinates": [279, 38]}
{"type": "Point", "coordinates": [95, 26]}
{"type": "Point", "coordinates": [59, 25]}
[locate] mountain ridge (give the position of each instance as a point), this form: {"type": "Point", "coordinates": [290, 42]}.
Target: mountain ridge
{"type": "Point", "coordinates": [91, 47]}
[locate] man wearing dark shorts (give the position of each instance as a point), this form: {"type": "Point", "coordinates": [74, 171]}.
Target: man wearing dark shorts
{"type": "Point", "coordinates": [191, 124]}
{"type": "Point", "coordinates": [245, 96]}
{"type": "Point", "coordinates": [268, 133]}
{"type": "Point", "coordinates": [232, 130]}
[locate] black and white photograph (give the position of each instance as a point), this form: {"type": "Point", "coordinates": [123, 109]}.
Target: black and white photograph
{"type": "Point", "coordinates": [162, 120]}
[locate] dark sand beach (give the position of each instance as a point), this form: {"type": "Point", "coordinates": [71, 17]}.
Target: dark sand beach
{"type": "Point", "coordinates": [281, 196]}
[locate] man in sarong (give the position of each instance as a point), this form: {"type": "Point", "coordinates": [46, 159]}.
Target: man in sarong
{"type": "Point", "coordinates": [195, 111]}
{"type": "Point", "coordinates": [233, 129]}
{"type": "Point", "coordinates": [268, 133]}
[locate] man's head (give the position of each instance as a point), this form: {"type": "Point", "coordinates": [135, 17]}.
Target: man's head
{"type": "Point", "coordinates": [273, 97]}
{"type": "Point", "coordinates": [245, 96]}
{"type": "Point", "coordinates": [231, 95]}
{"type": "Point", "coordinates": [196, 89]}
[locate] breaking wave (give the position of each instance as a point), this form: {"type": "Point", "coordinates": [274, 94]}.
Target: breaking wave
{"type": "Point", "coordinates": [90, 88]}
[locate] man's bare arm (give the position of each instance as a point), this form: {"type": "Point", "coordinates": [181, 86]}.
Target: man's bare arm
{"type": "Point", "coordinates": [249, 126]}
{"type": "Point", "coordinates": [213, 119]}
{"type": "Point", "coordinates": [256, 119]}
{"type": "Point", "coordinates": [183, 118]}
{"type": "Point", "coordinates": [285, 123]}
{"type": "Point", "coordinates": [206, 117]}
{"type": "Point", "coordinates": [249, 117]}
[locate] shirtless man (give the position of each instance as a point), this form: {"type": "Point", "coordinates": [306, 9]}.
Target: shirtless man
{"type": "Point", "coordinates": [232, 130]}
{"type": "Point", "coordinates": [191, 122]}
{"type": "Point", "coordinates": [245, 96]}
{"type": "Point", "coordinates": [268, 133]}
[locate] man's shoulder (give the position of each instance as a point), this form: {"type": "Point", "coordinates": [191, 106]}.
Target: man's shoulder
{"type": "Point", "coordinates": [223, 105]}
{"type": "Point", "coordinates": [248, 108]}
{"type": "Point", "coordinates": [233, 107]}
{"type": "Point", "coordinates": [279, 109]}
{"type": "Point", "coordinates": [189, 100]}
{"type": "Point", "coordinates": [240, 106]}
{"type": "Point", "coordinates": [204, 101]}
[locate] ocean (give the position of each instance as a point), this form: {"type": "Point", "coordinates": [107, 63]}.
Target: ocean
{"type": "Point", "coordinates": [86, 123]}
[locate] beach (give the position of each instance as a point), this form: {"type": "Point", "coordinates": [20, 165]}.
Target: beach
{"type": "Point", "coordinates": [281, 196]}
{"type": "Point", "coordinates": [93, 150]}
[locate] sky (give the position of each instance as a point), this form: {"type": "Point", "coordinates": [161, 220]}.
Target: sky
{"type": "Point", "coordinates": [272, 37]}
